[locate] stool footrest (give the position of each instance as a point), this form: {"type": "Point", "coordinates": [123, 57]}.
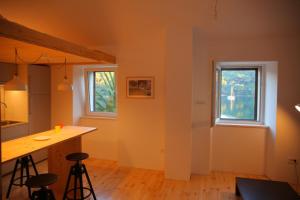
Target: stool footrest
{"type": "Point", "coordinates": [84, 189]}
{"type": "Point", "coordinates": [19, 184]}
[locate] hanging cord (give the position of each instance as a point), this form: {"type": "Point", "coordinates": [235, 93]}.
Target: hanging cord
{"type": "Point", "coordinates": [4, 114]}
{"type": "Point", "coordinates": [63, 65]}
{"type": "Point", "coordinates": [65, 77]}
{"type": "Point", "coordinates": [16, 61]}
{"type": "Point", "coordinates": [17, 57]}
{"type": "Point", "coordinates": [216, 9]}
{"type": "Point", "coordinates": [5, 107]}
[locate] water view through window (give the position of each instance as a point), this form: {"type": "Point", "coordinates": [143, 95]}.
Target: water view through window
{"type": "Point", "coordinates": [238, 94]}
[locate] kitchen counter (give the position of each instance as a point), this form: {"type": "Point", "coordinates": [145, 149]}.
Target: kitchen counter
{"type": "Point", "coordinates": [60, 144]}
{"type": "Point", "coordinates": [26, 145]}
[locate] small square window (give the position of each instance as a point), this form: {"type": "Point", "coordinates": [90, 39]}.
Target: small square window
{"type": "Point", "coordinates": [101, 92]}
{"type": "Point", "coordinates": [238, 93]}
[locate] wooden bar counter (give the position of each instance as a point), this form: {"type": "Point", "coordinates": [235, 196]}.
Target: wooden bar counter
{"type": "Point", "coordinates": [59, 144]}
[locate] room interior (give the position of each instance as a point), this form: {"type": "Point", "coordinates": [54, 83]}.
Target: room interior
{"type": "Point", "coordinates": [167, 144]}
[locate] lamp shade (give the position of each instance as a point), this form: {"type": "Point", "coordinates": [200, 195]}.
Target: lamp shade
{"type": "Point", "coordinates": [64, 86]}
{"type": "Point", "coordinates": [15, 84]}
{"type": "Point", "coordinates": [297, 107]}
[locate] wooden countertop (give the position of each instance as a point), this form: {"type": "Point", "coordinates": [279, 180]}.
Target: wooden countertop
{"type": "Point", "coordinates": [26, 145]}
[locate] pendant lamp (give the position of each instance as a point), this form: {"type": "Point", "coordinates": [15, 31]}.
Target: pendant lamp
{"type": "Point", "coordinates": [15, 83]}
{"type": "Point", "coordinates": [297, 107]}
{"type": "Point", "coordinates": [65, 85]}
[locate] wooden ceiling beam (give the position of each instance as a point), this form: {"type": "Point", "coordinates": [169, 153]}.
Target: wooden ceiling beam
{"type": "Point", "coordinates": [19, 32]}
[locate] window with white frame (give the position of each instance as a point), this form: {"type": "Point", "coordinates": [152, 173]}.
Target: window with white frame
{"type": "Point", "coordinates": [239, 92]}
{"type": "Point", "coordinates": [101, 91]}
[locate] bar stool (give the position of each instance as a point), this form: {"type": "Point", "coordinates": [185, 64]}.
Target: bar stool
{"type": "Point", "coordinates": [41, 181]}
{"type": "Point", "coordinates": [77, 170]}
{"type": "Point", "coordinates": [19, 181]}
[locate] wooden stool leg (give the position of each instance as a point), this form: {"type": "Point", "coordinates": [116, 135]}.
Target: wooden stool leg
{"type": "Point", "coordinates": [68, 183]}
{"type": "Point", "coordinates": [22, 170]}
{"type": "Point", "coordinates": [52, 197]}
{"type": "Point", "coordinates": [43, 194]}
{"type": "Point", "coordinates": [29, 192]}
{"type": "Point", "coordinates": [27, 177]}
{"type": "Point", "coordinates": [81, 186]}
{"type": "Point", "coordinates": [237, 191]}
{"type": "Point", "coordinates": [12, 178]}
{"type": "Point", "coordinates": [89, 181]}
{"type": "Point", "coordinates": [75, 186]}
{"type": "Point", "coordinates": [33, 165]}
{"type": "Point", "coordinates": [35, 195]}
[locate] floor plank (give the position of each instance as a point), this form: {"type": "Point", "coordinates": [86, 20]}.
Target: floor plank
{"type": "Point", "coordinates": [112, 182]}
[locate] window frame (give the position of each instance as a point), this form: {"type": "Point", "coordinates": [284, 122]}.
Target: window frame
{"type": "Point", "coordinates": [88, 111]}
{"type": "Point", "coordinates": [259, 95]}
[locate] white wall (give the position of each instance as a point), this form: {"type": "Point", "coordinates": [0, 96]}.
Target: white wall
{"type": "Point", "coordinates": [103, 143]}
{"type": "Point", "coordinates": [270, 105]}
{"type": "Point", "coordinates": [136, 136]}
{"type": "Point", "coordinates": [122, 140]}
{"type": "Point", "coordinates": [238, 149]}
{"type": "Point", "coordinates": [201, 105]}
{"type": "Point", "coordinates": [288, 126]}
{"type": "Point", "coordinates": [78, 93]}
{"type": "Point", "coordinates": [179, 67]}
{"type": "Point", "coordinates": [242, 30]}
{"type": "Point", "coordinates": [263, 48]}
{"type": "Point", "coordinates": [140, 122]}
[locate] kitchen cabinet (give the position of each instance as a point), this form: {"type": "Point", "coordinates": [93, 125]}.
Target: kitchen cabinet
{"type": "Point", "coordinates": [14, 131]}
{"type": "Point", "coordinates": [7, 72]}
{"type": "Point", "coordinates": [9, 133]}
{"type": "Point", "coordinates": [39, 103]}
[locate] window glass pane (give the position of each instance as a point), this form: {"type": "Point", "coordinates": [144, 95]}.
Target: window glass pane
{"type": "Point", "coordinates": [238, 95]}
{"type": "Point", "coordinates": [104, 92]}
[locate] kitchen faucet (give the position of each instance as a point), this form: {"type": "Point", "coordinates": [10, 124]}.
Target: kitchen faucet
{"type": "Point", "coordinates": [3, 104]}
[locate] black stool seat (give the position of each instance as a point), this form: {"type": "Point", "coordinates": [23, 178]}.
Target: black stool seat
{"type": "Point", "coordinates": [41, 180]}
{"type": "Point", "coordinates": [77, 156]}
{"type": "Point", "coordinates": [78, 171]}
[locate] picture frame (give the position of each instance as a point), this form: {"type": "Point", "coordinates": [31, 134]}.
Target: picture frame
{"type": "Point", "coordinates": [140, 87]}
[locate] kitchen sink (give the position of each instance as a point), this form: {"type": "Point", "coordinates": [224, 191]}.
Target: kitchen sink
{"type": "Point", "coordinates": [8, 122]}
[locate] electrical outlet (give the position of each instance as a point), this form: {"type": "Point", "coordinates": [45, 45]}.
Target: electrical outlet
{"type": "Point", "coordinates": [292, 161]}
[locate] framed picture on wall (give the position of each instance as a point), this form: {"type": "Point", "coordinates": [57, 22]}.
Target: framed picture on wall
{"type": "Point", "coordinates": [140, 87]}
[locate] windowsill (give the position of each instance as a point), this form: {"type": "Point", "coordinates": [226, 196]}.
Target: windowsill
{"type": "Point", "coordinates": [99, 117]}
{"type": "Point", "coordinates": [241, 125]}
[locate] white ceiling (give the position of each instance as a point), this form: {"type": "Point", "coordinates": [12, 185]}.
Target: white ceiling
{"type": "Point", "coordinates": [96, 23]}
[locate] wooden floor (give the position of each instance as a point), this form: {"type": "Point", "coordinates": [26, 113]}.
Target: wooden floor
{"type": "Point", "coordinates": [112, 182]}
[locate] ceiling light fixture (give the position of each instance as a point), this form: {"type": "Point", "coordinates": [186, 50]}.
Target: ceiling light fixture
{"type": "Point", "coordinates": [297, 107]}
{"type": "Point", "coordinates": [15, 83]}
{"type": "Point", "coordinates": [65, 85]}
